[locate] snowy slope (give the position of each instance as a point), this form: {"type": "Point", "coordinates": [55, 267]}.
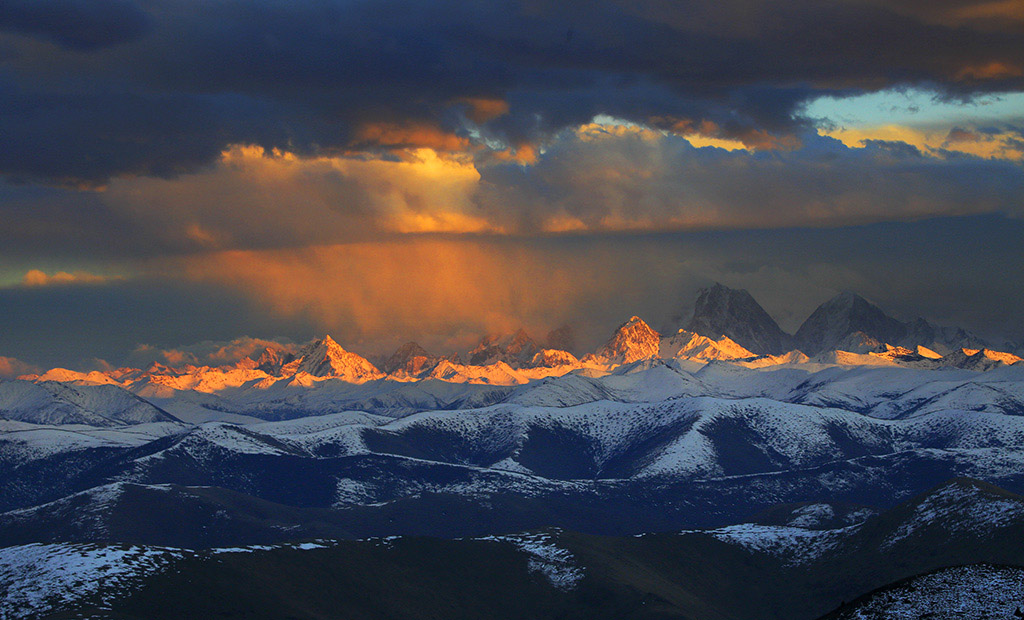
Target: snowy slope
{"type": "Point", "coordinates": [52, 402]}
{"type": "Point", "coordinates": [35, 579]}
{"type": "Point", "coordinates": [979, 592]}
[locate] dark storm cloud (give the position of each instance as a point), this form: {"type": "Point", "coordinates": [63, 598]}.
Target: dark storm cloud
{"type": "Point", "coordinates": [82, 138]}
{"type": "Point", "coordinates": [68, 325]}
{"type": "Point", "coordinates": [185, 81]}
{"type": "Point", "coordinates": [78, 24]}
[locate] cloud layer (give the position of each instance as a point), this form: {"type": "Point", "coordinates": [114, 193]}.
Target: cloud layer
{"type": "Point", "coordinates": [101, 89]}
{"type": "Point", "coordinates": [175, 171]}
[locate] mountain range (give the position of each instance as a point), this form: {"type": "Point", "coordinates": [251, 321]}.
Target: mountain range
{"type": "Point", "coordinates": [735, 473]}
{"type": "Point", "coordinates": [276, 383]}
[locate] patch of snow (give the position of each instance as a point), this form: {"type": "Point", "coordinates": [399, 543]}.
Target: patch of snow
{"type": "Point", "coordinates": [793, 544]}
{"type": "Point", "coordinates": [38, 578]}
{"type": "Point", "coordinates": [556, 564]}
{"type": "Point", "coordinates": [979, 592]}
{"type": "Point", "coordinates": [812, 515]}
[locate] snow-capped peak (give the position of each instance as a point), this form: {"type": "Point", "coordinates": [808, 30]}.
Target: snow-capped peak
{"type": "Point", "coordinates": [326, 358]}
{"type": "Point", "coordinates": [553, 358]}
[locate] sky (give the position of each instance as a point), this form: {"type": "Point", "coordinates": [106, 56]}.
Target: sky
{"type": "Point", "coordinates": [205, 176]}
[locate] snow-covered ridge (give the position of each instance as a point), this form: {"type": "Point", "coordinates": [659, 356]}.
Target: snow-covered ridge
{"type": "Point", "coordinates": [325, 362]}
{"type": "Point", "coordinates": [960, 509]}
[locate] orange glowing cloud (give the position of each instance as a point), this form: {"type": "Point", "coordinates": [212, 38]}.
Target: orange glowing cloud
{"type": "Point", "coordinates": [935, 141]}
{"type": "Point", "coordinates": [483, 109]}
{"type": "Point", "coordinates": [1009, 10]}
{"type": "Point", "coordinates": [593, 132]}
{"type": "Point", "coordinates": [525, 154]}
{"type": "Point", "coordinates": [409, 136]}
{"type": "Point", "coordinates": [377, 291]}
{"type": "Point", "coordinates": [994, 70]}
{"type": "Point", "coordinates": [201, 235]}
{"type": "Point", "coordinates": [264, 198]}
{"type": "Point", "coordinates": [991, 15]}
{"type": "Point", "coordinates": [708, 133]}
{"type": "Point", "coordinates": [36, 277]}
{"type": "Point", "coordinates": [11, 367]}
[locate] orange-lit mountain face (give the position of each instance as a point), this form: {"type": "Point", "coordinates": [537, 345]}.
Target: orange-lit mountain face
{"type": "Point", "coordinates": [518, 359]}
{"type": "Point", "coordinates": [847, 330]}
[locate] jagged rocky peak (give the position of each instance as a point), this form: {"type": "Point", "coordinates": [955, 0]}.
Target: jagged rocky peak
{"type": "Point", "coordinates": [837, 319]}
{"type": "Point", "coordinates": [723, 311]}
{"type": "Point", "coordinates": [860, 342]}
{"type": "Point", "coordinates": [979, 359]}
{"type": "Point", "coordinates": [271, 360]}
{"type": "Point", "coordinates": [515, 350]}
{"type": "Point", "coordinates": [943, 340]}
{"type": "Point", "coordinates": [553, 358]}
{"type": "Point", "coordinates": [690, 345]}
{"type": "Point", "coordinates": [410, 358]}
{"type": "Point", "coordinates": [326, 358]}
{"type": "Point", "coordinates": [633, 340]}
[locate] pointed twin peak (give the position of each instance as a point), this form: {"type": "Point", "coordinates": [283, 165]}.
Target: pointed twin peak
{"type": "Point", "coordinates": [846, 322]}
{"type": "Point", "coordinates": [723, 311]}
{"type": "Point", "coordinates": [943, 340]}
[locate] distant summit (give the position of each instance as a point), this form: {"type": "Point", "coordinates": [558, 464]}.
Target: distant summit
{"type": "Point", "coordinates": [516, 350]}
{"type": "Point", "coordinates": [723, 311]}
{"type": "Point", "coordinates": [413, 360]}
{"type": "Point", "coordinates": [847, 314]}
{"type": "Point", "coordinates": [943, 340]}
{"type": "Point", "coordinates": [272, 360]}
{"type": "Point", "coordinates": [562, 339]}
